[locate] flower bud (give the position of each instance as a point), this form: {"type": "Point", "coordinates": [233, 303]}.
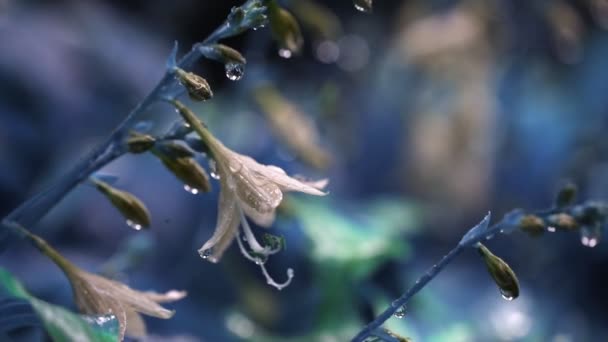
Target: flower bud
{"type": "Point", "coordinates": [130, 207]}
{"type": "Point", "coordinates": [197, 87]}
{"type": "Point", "coordinates": [140, 143]}
{"type": "Point", "coordinates": [222, 53]}
{"type": "Point", "coordinates": [563, 222]}
{"type": "Point", "coordinates": [502, 274]}
{"type": "Point", "coordinates": [179, 160]}
{"type": "Point", "coordinates": [532, 225]}
{"type": "Point", "coordinates": [285, 30]}
{"type": "Point", "coordinates": [566, 195]}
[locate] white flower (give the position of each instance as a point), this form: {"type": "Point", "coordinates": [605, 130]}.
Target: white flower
{"type": "Point", "coordinates": [247, 188]}
{"type": "Point", "coordinates": [96, 295]}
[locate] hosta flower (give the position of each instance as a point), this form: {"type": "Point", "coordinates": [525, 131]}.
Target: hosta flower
{"type": "Point", "coordinates": [96, 295]}
{"type": "Point", "coordinates": [247, 188]}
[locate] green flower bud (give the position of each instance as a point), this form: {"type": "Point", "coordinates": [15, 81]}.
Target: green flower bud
{"type": "Point", "coordinates": [133, 209]}
{"type": "Point", "coordinates": [502, 274]}
{"type": "Point", "coordinates": [285, 30]}
{"type": "Point", "coordinates": [532, 225]}
{"type": "Point", "coordinates": [222, 53]}
{"type": "Point", "coordinates": [179, 160]}
{"type": "Point", "coordinates": [563, 222]}
{"type": "Point", "coordinates": [190, 172]}
{"type": "Point", "coordinates": [140, 143]}
{"type": "Point", "coordinates": [197, 87]}
{"type": "Point", "coordinates": [566, 195]}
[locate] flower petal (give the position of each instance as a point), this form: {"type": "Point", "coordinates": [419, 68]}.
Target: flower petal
{"type": "Point", "coordinates": [136, 300]}
{"type": "Point", "coordinates": [227, 224]}
{"type": "Point", "coordinates": [136, 327]}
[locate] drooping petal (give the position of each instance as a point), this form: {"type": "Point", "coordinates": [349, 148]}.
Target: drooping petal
{"type": "Point", "coordinates": [136, 327]}
{"type": "Point", "coordinates": [227, 224]}
{"type": "Point", "coordinates": [122, 293]}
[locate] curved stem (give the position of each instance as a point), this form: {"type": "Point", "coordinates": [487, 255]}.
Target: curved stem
{"type": "Point", "coordinates": [405, 298]}
{"type": "Point", "coordinates": [585, 212]}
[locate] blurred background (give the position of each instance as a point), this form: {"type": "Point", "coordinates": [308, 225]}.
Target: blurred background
{"type": "Point", "coordinates": [424, 115]}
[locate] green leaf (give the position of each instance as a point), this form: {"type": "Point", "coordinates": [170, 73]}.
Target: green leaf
{"type": "Point", "coordinates": [61, 324]}
{"type": "Point", "coordinates": [357, 241]}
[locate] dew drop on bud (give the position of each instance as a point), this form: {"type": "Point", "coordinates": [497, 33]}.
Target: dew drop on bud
{"type": "Point", "coordinates": [134, 225]}
{"type": "Point", "coordinates": [285, 53]}
{"type": "Point", "coordinates": [190, 189]}
{"type": "Point", "coordinates": [590, 236]}
{"type": "Point", "coordinates": [507, 295]}
{"type": "Point", "coordinates": [234, 71]}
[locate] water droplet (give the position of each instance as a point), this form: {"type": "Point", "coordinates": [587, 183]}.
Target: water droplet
{"type": "Point", "coordinates": [190, 189]}
{"type": "Point", "coordinates": [507, 295]}
{"type": "Point", "coordinates": [551, 229]}
{"type": "Point", "coordinates": [206, 254]}
{"type": "Point", "coordinates": [401, 312]}
{"type": "Point", "coordinates": [213, 169]}
{"type": "Point", "coordinates": [590, 237]}
{"type": "Point", "coordinates": [364, 6]}
{"type": "Point", "coordinates": [234, 71]}
{"type": "Point", "coordinates": [285, 53]}
{"type": "Point", "coordinates": [134, 225]}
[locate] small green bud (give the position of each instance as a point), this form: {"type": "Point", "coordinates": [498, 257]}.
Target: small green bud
{"type": "Point", "coordinates": [197, 87]}
{"type": "Point", "coordinates": [363, 5]}
{"type": "Point", "coordinates": [179, 160]}
{"type": "Point", "coordinates": [140, 143]}
{"type": "Point", "coordinates": [285, 30]}
{"type": "Point", "coordinates": [502, 274]}
{"type": "Point", "coordinates": [566, 195]}
{"type": "Point", "coordinates": [532, 225]}
{"type": "Point", "coordinates": [222, 53]}
{"type": "Point", "coordinates": [133, 209]}
{"type": "Point", "coordinates": [174, 150]}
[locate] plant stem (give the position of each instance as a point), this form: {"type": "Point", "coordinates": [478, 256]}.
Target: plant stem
{"type": "Point", "coordinates": [586, 213]}
{"type": "Point", "coordinates": [405, 298]}
{"type": "Point", "coordinates": [32, 210]}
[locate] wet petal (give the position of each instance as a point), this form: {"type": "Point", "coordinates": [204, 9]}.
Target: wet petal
{"type": "Point", "coordinates": [227, 224]}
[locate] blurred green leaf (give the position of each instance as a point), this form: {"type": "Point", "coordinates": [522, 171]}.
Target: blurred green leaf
{"type": "Point", "coordinates": [61, 324]}
{"type": "Point", "coordinates": [360, 240]}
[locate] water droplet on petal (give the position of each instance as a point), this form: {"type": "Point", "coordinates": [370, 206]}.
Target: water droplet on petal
{"type": "Point", "coordinates": [234, 71]}
{"type": "Point", "coordinates": [190, 189]}
{"type": "Point", "coordinates": [134, 225]}
{"type": "Point", "coordinates": [207, 254]}
{"type": "Point", "coordinates": [285, 53]}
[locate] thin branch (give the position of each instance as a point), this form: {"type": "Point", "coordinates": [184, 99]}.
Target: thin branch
{"type": "Point", "coordinates": [585, 214]}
